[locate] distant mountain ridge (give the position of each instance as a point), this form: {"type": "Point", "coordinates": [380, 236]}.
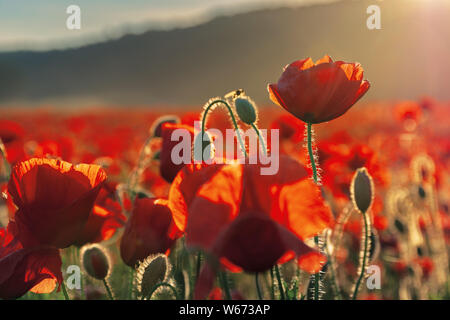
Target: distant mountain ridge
{"type": "Point", "coordinates": [408, 58]}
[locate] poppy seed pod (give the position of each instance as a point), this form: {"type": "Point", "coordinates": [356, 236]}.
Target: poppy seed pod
{"type": "Point", "coordinates": [153, 270]}
{"type": "Point", "coordinates": [245, 109]}
{"type": "Point", "coordinates": [362, 190]}
{"type": "Point", "coordinates": [95, 262]}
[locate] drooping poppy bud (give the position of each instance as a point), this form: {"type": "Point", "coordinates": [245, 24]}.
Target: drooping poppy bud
{"type": "Point", "coordinates": [156, 128]}
{"type": "Point", "coordinates": [153, 270]}
{"type": "Point", "coordinates": [362, 190]}
{"type": "Point", "coordinates": [95, 261]}
{"type": "Point", "coordinates": [203, 148]}
{"type": "Point", "coordinates": [246, 109]}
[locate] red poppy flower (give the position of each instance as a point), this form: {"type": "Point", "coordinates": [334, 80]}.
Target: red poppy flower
{"type": "Point", "coordinates": [168, 168]}
{"type": "Point", "coordinates": [23, 269]}
{"type": "Point", "coordinates": [250, 220]}
{"type": "Point", "coordinates": [106, 217]}
{"type": "Point", "coordinates": [149, 230]}
{"type": "Point", "coordinates": [321, 91]}
{"type": "Point", "coordinates": [54, 199]}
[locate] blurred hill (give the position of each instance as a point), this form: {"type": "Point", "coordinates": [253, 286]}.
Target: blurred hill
{"type": "Point", "coordinates": [408, 58]}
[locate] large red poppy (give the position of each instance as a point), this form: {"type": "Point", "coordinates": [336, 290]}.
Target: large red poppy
{"type": "Point", "coordinates": [106, 217]}
{"type": "Point", "coordinates": [250, 221]}
{"type": "Point", "coordinates": [54, 199]}
{"type": "Point", "coordinates": [321, 91]}
{"type": "Point", "coordinates": [149, 230]}
{"type": "Point", "coordinates": [23, 269]}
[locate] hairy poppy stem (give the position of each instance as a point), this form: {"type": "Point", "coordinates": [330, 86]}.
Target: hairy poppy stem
{"type": "Point", "coordinates": [233, 119]}
{"type": "Point", "coordinates": [272, 285]}
{"type": "Point", "coordinates": [108, 289]}
{"type": "Point", "coordinates": [130, 283]}
{"type": "Point", "coordinates": [258, 288]}
{"type": "Point", "coordinates": [311, 153]}
{"type": "Point", "coordinates": [64, 290]}
{"type": "Point", "coordinates": [198, 265]}
{"type": "Point", "coordinates": [261, 138]}
{"type": "Point", "coordinates": [6, 165]}
{"type": "Point", "coordinates": [315, 177]}
{"type": "Point", "coordinates": [224, 282]}
{"type": "Point", "coordinates": [280, 284]}
{"type": "Point", "coordinates": [364, 258]}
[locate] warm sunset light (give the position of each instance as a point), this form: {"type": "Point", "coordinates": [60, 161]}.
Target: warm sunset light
{"type": "Point", "coordinates": [224, 150]}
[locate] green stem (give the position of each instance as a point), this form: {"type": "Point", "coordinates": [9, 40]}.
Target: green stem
{"type": "Point", "coordinates": [258, 288]}
{"type": "Point", "coordinates": [272, 285]}
{"type": "Point", "coordinates": [130, 284]}
{"type": "Point", "coordinates": [315, 177]}
{"type": "Point", "coordinates": [233, 119]}
{"type": "Point", "coordinates": [64, 290]}
{"type": "Point", "coordinates": [224, 282]}
{"type": "Point", "coordinates": [162, 284]}
{"type": "Point", "coordinates": [333, 275]}
{"type": "Point", "coordinates": [316, 276]}
{"type": "Point", "coordinates": [108, 289]}
{"type": "Point", "coordinates": [280, 284]}
{"type": "Point", "coordinates": [261, 138]}
{"type": "Point", "coordinates": [310, 151]}
{"type": "Point", "coordinates": [198, 266]}
{"type": "Point", "coordinates": [366, 248]}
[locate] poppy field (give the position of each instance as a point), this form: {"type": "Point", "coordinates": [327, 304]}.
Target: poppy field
{"type": "Point", "coordinates": [94, 205]}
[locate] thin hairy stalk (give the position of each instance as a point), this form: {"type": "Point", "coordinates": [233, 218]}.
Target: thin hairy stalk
{"type": "Point", "coordinates": [140, 167]}
{"type": "Point", "coordinates": [258, 288]}
{"type": "Point", "coordinates": [364, 255]}
{"type": "Point", "coordinates": [280, 284]}
{"type": "Point", "coordinates": [233, 119]}
{"type": "Point", "coordinates": [6, 164]}
{"type": "Point", "coordinates": [261, 138]}
{"type": "Point", "coordinates": [317, 277]}
{"type": "Point", "coordinates": [272, 284]}
{"type": "Point", "coordinates": [224, 283]}
{"type": "Point", "coordinates": [108, 289]}
{"type": "Point", "coordinates": [64, 290]}
{"type": "Point", "coordinates": [333, 278]}
{"type": "Point", "coordinates": [130, 283]}
{"type": "Point", "coordinates": [198, 266]}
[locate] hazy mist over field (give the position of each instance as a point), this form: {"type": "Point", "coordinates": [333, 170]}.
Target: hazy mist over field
{"type": "Point", "coordinates": [186, 65]}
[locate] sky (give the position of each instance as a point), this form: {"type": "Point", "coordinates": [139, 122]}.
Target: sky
{"type": "Point", "coordinates": [41, 24]}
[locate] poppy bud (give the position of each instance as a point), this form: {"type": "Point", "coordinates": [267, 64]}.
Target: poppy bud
{"type": "Point", "coordinates": [245, 109]}
{"type": "Point", "coordinates": [203, 148]}
{"type": "Point", "coordinates": [362, 190]}
{"type": "Point", "coordinates": [95, 261]}
{"type": "Point", "coordinates": [153, 270]}
{"type": "Point", "coordinates": [156, 128]}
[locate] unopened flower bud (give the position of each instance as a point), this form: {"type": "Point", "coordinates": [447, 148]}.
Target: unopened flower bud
{"type": "Point", "coordinates": [203, 148]}
{"type": "Point", "coordinates": [153, 270]}
{"type": "Point", "coordinates": [362, 190]}
{"type": "Point", "coordinates": [156, 128]}
{"type": "Point", "coordinates": [95, 261]}
{"type": "Point", "coordinates": [245, 109]}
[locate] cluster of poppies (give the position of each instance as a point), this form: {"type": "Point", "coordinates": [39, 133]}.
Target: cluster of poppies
{"type": "Point", "coordinates": [366, 190]}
